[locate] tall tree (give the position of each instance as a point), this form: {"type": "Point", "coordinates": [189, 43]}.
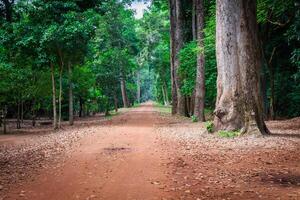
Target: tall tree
{"type": "Point", "coordinates": [178, 33]}
{"type": "Point", "coordinates": [239, 101]}
{"type": "Point", "coordinates": [173, 54]}
{"type": "Point", "coordinates": [200, 77]}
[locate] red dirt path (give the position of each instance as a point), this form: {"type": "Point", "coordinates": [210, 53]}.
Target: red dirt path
{"type": "Point", "coordinates": [137, 155]}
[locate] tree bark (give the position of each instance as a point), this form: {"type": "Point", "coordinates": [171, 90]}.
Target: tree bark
{"type": "Point", "coordinates": [55, 126]}
{"type": "Point", "coordinates": [60, 96]}
{"type": "Point", "coordinates": [194, 19]}
{"type": "Point", "coordinates": [115, 102]}
{"type": "Point", "coordinates": [239, 100]}
{"type": "Point", "coordinates": [22, 111]}
{"type": "Point", "coordinates": [33, 113]}
{"type": "Point", "coordinates": [71, 108]}
{"type": "Point", "coordinates": [200, 76]}
{"type": "Point", "coordinates": [124, 93]}
{"type": "Point", "coordinates": [272, 84]}
{"type": "Point", "coordinates": [18, 115]}
{"type": "Point", "coordinates": [173, 54]}
{"type": "Point", "coordinates": [166, 93]}
{"type": "Point", "coordinates": [80, 107]}
{"type": "Point", "coordinates": [4, 120]}
{"type": "Point", "coordinates": [138, 83]}
{"type": "Point", "coordinates": [179, 39]}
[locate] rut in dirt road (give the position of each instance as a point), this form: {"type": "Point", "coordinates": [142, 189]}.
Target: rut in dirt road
{"type": "Point", "coordinates": [121, 160]}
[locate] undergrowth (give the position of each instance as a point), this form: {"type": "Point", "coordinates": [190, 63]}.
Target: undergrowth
{"type": "Point", "coordinates": [229, 134]}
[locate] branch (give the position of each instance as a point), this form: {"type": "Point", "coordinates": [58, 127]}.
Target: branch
{"type": "Point", "coordinates": [279, 23]}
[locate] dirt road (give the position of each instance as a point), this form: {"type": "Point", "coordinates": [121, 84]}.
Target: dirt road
{"type": "Point", "coordinates": [119, 161]}
{"type": "Point", "coordinates": [141, 155]}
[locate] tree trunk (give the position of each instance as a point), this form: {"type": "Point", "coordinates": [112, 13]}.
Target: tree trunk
{"type": "Point", "coordinates": [18, 115]}
{"type": "Point", "coordinates": [22, 111]}
{"type": "Point", "coordinates": [173, 54]}
{"type": "Point", "coordinates": [138, 83]}
{"type": "Point", "coordinates": [60, 97]}
{"type": "Point", "coordinates": [124, 93]}
{"type": "Point", "coordinates": [239, 101]}
{"type": "Point", "coordinates": [164, 95]}
{"type": "Point", "coordinates": [53, 97]}
{"type": "Point", "coordinates": [33, 114]}
{"type": "Point", "coordinates": [115, 102]}
{"type": "Point", "coordinates": [4, 120]}
{"type": "Point", "coordinates": [188, 106]}
{"type": "Point", "coordinates": [71, 109]}
{"type": "Point", "coordinates": [181, 108]}
{"type": "Point", "coordinates": [272, 97]}
{"type": "Point", "coordinates": [8, 6]}
{"type": "Point", "coordinates": [200, 76]}
{"type": "Point", "coordinates": [80, 107]}
{"type": "Point", "coordinates": [60, 87]}
{"type": "Point", "coordinates": [194, 19]}
{"type": "Point", "coordinates": [272, 84]}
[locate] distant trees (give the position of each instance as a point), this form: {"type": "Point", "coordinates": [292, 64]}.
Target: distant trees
{"type": "Point", "coordinates": [84, 50]}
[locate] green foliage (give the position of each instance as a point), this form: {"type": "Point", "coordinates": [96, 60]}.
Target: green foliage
{"type": "Point", "coordinates": [187, 70]}
{"type": "Point", "coordinates": [210, 56]}
{"type": "Point", "coordinates": [209, 125]}
{"type": "Point", "coordinates": [229, 134]}
{"type": "Point", "coordinates": [194, 118]}
{"type": "Point", "coordinates": [154, 56]}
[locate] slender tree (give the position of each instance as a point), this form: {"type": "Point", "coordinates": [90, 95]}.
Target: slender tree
{"type": "Point", "coordinates": [200, 77]}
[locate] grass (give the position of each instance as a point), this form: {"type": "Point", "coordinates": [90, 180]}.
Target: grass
{"type": "Point", "coordinates": [229, 134]}
{"type": "Point", "coordinates": [209, 125]}
{"type": "Point", "coordinates": [162, 108]}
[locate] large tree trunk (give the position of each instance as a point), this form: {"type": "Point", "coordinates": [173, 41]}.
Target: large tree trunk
{"type": "Point", "coordinates": [71, 109]}
{"type": "Point", "coordinates": [200, 77]}
{"type": "Point", "coordinates": [173, 54]}
{"type": "Point", "coordinates": [53, 97]}
{"type": "Point", "coordinates": [239, 101]}
{"type": "Point", "coordinates": [124, 93]}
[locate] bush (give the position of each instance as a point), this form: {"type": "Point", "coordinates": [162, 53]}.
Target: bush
{"type": "Point", "coordinates": [209, 125]}
{"type": "Point", "coordinates": [194, 118]}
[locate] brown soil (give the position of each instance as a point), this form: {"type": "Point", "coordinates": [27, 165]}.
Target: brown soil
{"type": "Point", "coordinates": [141, 154]}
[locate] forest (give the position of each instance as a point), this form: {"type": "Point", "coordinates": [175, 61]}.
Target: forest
{"type": "Point", "coordinates": [66, 58]}
{"type": "Point", "coordinates": [225, 68]}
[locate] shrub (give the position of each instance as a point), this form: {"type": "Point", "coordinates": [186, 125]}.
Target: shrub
{"type": "Point", "coordinates": [209, 125]}
{"type": "Point", "coordinates": [194, 118]}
